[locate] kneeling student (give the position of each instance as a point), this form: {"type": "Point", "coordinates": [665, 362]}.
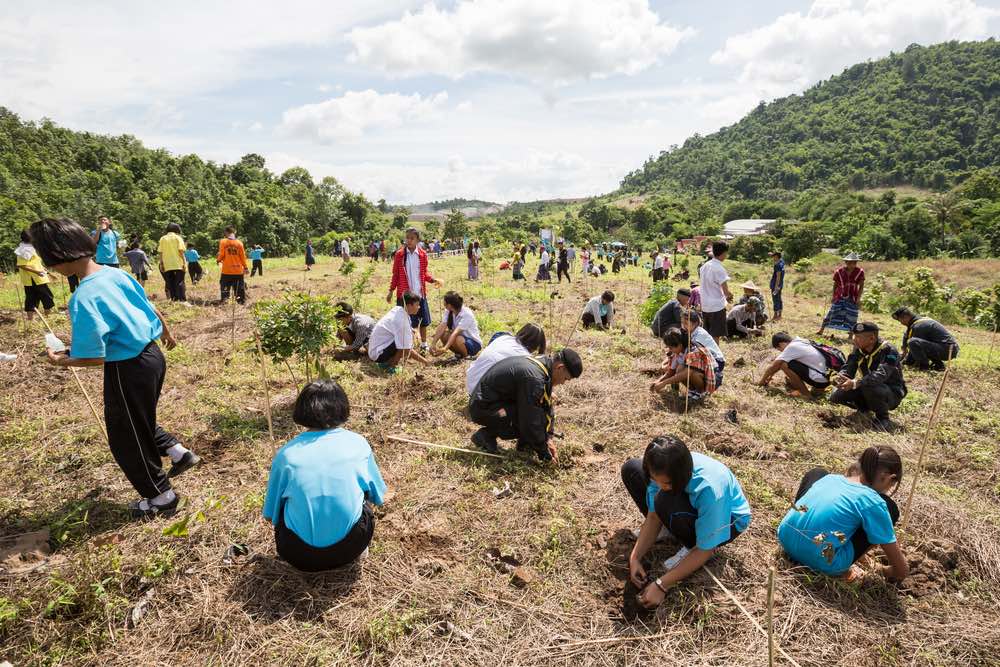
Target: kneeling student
{"type": "Point", "coordinates": [321, 484]}
{"type": "Point", "coordinates": [458, 331]}
{"type": "Point", "coordinates": [689, 496]}
{"type": "Point", "coordinates": [529, 340]}
{"type": "Point", "coordinates": [354, 331]}
{"type": "Point", "coordinates": [600, 311]}
{"type": "Point", "coordinates": [691, 323]}
{"type": "Point", "coordinates": [391, 340]}
{"type": "Point", "coordinates": [926, 343]}
{"type": "Point", "coordinates": [801, 363]}
{"type": "Point", "coordinates": [836, 519]}
{"type": "Point", "coordinates": [689, 364]}
{"type": "Point", "coordinates": [741, 322]}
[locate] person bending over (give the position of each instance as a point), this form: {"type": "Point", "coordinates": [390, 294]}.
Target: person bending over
{"type": "Point", "coordinates": [354, 330]}
{"type": "Point", "coordinates": [321, 485]}
{"type": "Point", "coordinates": [529, 340]}
{"type": "Point", "coordinates": [513, 401]}
{"type": "Point", "coordinates": [926, 343]}
{"type": "Point", "coordinates": [880, 387]}
{"type": "Point", "coordinates": [599, 311]}
{"type": "Point", "coordinates": [804, 367]}
{"type": "Point", "coordinates": [458, 331]}
{"type": "Point", "coordinates": [391, 340]}
{"type": "Point", "coordinates": [685, 495]}
{"type": "Point", "coordinates": [741, 322]}
{"type": "Point", "coordinates": [687, 364]}
{"type": "Point", "coordinates": [836, 519]}
{"type": "Point", "coordinates": [669, 314]}
{"type": "Point", "coordinates": [691, 323]}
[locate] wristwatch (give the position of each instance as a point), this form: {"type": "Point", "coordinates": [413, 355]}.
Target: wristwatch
{"type": "Point", "coordinates": [659, 585]}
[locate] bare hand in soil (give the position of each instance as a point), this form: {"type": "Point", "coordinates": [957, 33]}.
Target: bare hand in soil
{"type": "Point", "coordinates": [637, 573]}
{"type": "Point", "coordinates": [651, 596]}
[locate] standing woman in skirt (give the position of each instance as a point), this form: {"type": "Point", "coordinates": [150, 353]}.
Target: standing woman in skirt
{"type": "Point", "coordinates": [473, 262]}
{"type": "Point", "coordinates": [115, 326]}
{"type": "Point", "coordinates": [310, 255]}
{"type": "Point", "coordinates": [848, 285]}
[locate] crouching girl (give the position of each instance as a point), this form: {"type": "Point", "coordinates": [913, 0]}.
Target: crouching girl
{"type": "Point", "coordinates": [685, 495]}
{"type": "Point", "coordinates": [321, 484]}
{"type": "Point", "coordinates": [836, 518]}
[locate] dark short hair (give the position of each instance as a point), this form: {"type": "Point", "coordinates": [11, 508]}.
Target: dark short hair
{"type": "Point", "coordinates": [410, 297]}
{"type": "Point", "coordinates": [901, 312]}
{"type": "Point", "coordinates": [230, 230]}
{"type": "Point", "coordinates": [684, 291]}
{"type": "Point", "coordinates": [692, 315]}
{"type": "Point", "coordinates": [58, 241]}
{"type": "Point", "coordinates": [608, 296]}
{"type": "Point", "coordinates": [454, 299]}
{"type": "Point", "coordinates": [343, 309]}
{"type": "Point", "coordinates": [532, 338]}
{"type": "Point", "coordinates": [775, 253]}
{"type": "Point", "coordinates": [321, 404]}
{"type": "Point", "coordinates": [414, 231]}
{"type": "Point", "coordinates": [571, 360]}
{"type": "Point", "coordinates": [668, 455]}
{"type": "Point", "coordinates": [25, 236]}
{"type": "Point", "coordinates": [719, 248]}
{"type": "Point", "coordinates": [780, 337]}
{"type": "Point", "coordinates": [674, 337]}
{"type": "Point", "coordinates": [174, 227]}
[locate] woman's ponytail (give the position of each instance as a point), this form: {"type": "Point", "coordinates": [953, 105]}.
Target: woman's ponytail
{"type": "Point", "coordinates": [885, 458]}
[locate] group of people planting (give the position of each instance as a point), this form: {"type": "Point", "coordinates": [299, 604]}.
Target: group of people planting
{"type": "Point", "coordinates": [323, 482]}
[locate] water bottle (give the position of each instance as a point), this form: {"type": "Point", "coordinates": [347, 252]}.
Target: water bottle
{"type": "Point", "coordinates": [54, 343]}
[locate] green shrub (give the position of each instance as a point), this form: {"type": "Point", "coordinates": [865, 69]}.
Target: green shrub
{"type": "Point", "coordinates": [662, 292]}
{"type": "Point", "coordinates": [918, 291]}
{"type": "Point", "coordinates": [873, 298]}
{"type": "Point", "coordinates": [296, 325]}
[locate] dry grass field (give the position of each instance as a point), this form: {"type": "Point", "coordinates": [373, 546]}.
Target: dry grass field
{"type": "Point", "coordinates": [436, 588]}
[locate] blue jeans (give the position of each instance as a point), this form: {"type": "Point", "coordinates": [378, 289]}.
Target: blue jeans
{"type": "Point", "coordinates": [776, 301]}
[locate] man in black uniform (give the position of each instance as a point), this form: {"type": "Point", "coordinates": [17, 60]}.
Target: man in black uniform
{"type": "Point", "coordinates": [514, 401]}
{"type": "Point", "coordinates": [926, 343]}
{"type": "Point", "coordinates": [880, 388]}
{"type": "Point", "coordinates": [562, 266]}
{"type": "Point", "coordinates": [669, 314]}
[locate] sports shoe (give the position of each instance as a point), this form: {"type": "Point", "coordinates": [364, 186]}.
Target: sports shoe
{"type": "Point", "coordinates": [188, 461]}
{"type": "Point", "coordinates": [485, 441]}
{"type": "Point", "coordinates": [675, 560]}
{"type": "Point", "coordinates": [144, 509]}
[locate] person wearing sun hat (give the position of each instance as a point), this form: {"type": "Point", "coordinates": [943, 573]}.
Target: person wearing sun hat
{"type": "Point", "coordinates": [848, 285]}
{"type": "Point", "coordinates": [751, 291]}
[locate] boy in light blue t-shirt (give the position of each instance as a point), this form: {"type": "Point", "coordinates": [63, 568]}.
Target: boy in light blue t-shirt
{"type": "Point", "coordinates": [195, 271]}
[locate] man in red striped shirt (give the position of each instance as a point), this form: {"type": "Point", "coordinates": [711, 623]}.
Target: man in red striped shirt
{"type": "Point", "coordinates": [409, 273]}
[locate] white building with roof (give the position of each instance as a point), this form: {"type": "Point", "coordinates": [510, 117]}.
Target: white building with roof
{"type": "Point", "coordinates": [746, 227]}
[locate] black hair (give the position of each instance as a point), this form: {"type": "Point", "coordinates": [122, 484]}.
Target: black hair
{"type": "Point", "coordinates": [692, 315]}
{"type": "Point", "coordinates": [776, 253]}
{"type": "Point", "coordinates": [719, 248]}
{"type": "Point", "coordinates": [884, 458]}
{"type": "Point", "coordinates": [25, 236]}
{"type": "Point", "coordinates": [230, 230]}
{"type": "Point", "coordinates": [532, 337]}
{"type": "Point", "coordinates": [413, 230]}
{"type": "Point", "coordinates": [321, 404]}
{"type": "Point", "coordinates": [470, 251]}
{"type": "Point", "coordinates": [343, 309]}
{"type": "Point", "coordinates": [901, 312]}
{"type": "Point", "coordinates": [410, 297]}
{"type": "Point", "coordinates": [608, 296]}
{"type": "Point", "coordinates": [684, 291]}
{"type": "Point", "coordinates": [454, 299]}
{"type": "Point", "coordinates": [58, 241]}
{"type": "Point", "coordinates": [668, 455]}
{"type": "Point", "coordinates": [674, 337]}
{"type": "Point", "coordinates": [570, 359]}
{"type": "Point", "coordinates": [780, 337]}
{"type": "Point", "coordinates": [174, 227]}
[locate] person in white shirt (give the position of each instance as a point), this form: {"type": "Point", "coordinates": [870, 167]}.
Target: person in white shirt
{"type": "Point", "coordinates": [806, 371]}
{"type": "Point", "coordinates": [391, 341]}
{"type": "Point", "coordinates": [458, 331]}
{"type": "Point", "coordinates": [691, 322]}
{"type": "Point", "coordinates": [543, 267]}
{"type": "Point", "coordinates": [345, 249]}
{"type": "Point", "coordinates": [742, 320]}
{"type": "Point", "coordinates": [529, 340]}
{"type": "Point", "coordinates": [599, 311]}
{"type": "Point", "coordinates": [657, 267]}
{"type": "Point", "coordinates": [714, 290]}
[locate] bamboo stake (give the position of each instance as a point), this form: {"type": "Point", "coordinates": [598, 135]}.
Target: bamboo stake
{"type": "Point", "coordinates": [453, 449]}
{"type": "Point", "coordinates": [267, 390]}
{"type": "Point", "coordinates": [770, 617]}
{"type": "Point", "coordinates": [993, 339]}
{"type": "Point", "coordinates": [926, 440]}
{"type": "Point", "coordinates": [20, 306]}
{"type": "Point", "coordinates": [79, 383]}
{"type": "Point", "coordinates": [746, 613]}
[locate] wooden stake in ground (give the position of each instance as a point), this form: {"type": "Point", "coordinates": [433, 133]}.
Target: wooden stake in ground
{"type": "Point", "coordinates": [923, 445]}
{"type": "Point", "coordinates": [233, 337]}
{"type": "Point", "coordinates": [267, 389]}
{"type": "Point", "coordinates": [770, 617]}
{"type": "Point", "coordinates": [993, 339]}
{"type": "Point", "coordinates": [79, 383]}
{"type": "Point", "coordinates": [436, 446]}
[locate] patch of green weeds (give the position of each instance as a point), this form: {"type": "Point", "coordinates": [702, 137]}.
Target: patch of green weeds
{"type": "Point", "coordinates": [159, 563]}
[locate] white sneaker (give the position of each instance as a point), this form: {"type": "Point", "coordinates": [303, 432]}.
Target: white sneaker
{"type": "Point", "coordinates": [675, 560]}
{"type": "Point", "coordinates": [7, 357]}
{"type": "Point", "coordinates": [664, 535]}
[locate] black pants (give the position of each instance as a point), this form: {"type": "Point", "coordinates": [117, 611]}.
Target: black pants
{"type": "Point", "coordinates": [588, 320]}
{"type": "Point", "coordinates": [732, 331]}
{"type": "Point", "coordinates": [657, 275]}
{"type": "Point", "coordinates": [674, 509]}
{"type": "Point", "coordinates": [921, 352]}
{"type": "Point", "coordinates": [38, 294]}
{"type": "Point", "coordinates": [859, 540]}
{"type": "Point", "coordinates": [175, 284]}
{"type": "Point", "coordinates": [74, 282]}
{"type": "Point", "coordinates": [802, 371]}
{"type": "Point", "coordinates": [563, 270]}
{"type": "Point", "coordinates": [258, 268]}
{"type": "Point", "coordinates": [878, 398]}
{"type": "Point", "coordinates": [234, 282]}
{"type": "Point", "coordinates": [503, 427]}
{"type": "Point", "coordinates": [308, 558]}
{"type": "Point", "coordinates": [131, 392]}
{"type": "Point", "coordinates": [195, 271]}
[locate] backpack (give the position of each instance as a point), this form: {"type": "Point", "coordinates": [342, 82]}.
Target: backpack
{"type": "Point", "coordinates": [835, 359]}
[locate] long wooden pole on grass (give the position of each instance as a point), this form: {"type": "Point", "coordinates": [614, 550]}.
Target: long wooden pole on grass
{"type": "Point", "coordinates": [993, 339]}
{"type": "Point", "coordinates": [926, 440]}
{"type": "Point", "coordinates": [770, 617]}
{"type": "Point", "coordinates": [267, 389]}
{"type": "Point", "coordinates": [79, 383]}
{"type": "Point", "coordinates": [436, 446]}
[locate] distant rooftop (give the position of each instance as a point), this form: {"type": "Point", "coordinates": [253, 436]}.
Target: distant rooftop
{"type": "Point", "coordinates": [746, 227]}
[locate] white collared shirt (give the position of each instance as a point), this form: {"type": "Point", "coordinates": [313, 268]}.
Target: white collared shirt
{"type": "Point", "coordinates": [393, 328]}
{"type": "Point", "coordinates": [411, 264]}
{"type": "Point", "coordinates": [466, 321]}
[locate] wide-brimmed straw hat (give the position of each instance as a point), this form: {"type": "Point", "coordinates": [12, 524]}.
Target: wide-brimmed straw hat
{"type": "Point", "coordinates": [750, 285]}
{"type": "Point", "coordinates": [851, 257]}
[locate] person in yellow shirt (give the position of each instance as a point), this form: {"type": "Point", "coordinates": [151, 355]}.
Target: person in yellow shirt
{"type": "Point", "coordinates": [171, 251]}
{"type": "Point", "coordinates": [233, 258]}
{"type": "Point", "coordinates": [34, 279]}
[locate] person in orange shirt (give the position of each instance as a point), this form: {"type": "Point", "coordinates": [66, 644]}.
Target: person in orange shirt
{"type": "Point", "coordinates": [233, 259]}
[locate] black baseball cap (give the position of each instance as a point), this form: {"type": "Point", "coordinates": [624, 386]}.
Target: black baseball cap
{"type": "Point", "coordinates": [865, 327]}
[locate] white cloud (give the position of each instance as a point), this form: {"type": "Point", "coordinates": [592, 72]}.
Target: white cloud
{"type": "Point", "coordinates": [551, 42]}
{"type": "Point", "coordinates": [796, 50]}
{"type": "Point", "coordinates": [349, 116]}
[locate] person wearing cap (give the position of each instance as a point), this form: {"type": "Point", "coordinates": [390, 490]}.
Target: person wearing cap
{"type": "Point", "coordinates": [599, 311]}
{"type": "Point", "coordinates": [777, 283]}
{"type": "Point", "coordinates": [926, 343]}
{"type": "Point", "coordinates": [848, 285]}
{"type": "Point", "coordinates": [880, 387]}
{"type": "Point", "coordinates": [750, 291]}
{"type": "Point", "coordinates": [513, 401]}
{"type": "Point", "coordinates": [804, 367]}
{"type": "Point", "coordinates": [669, 314]}
{"type": "Point", "coordinates": [742, 319]}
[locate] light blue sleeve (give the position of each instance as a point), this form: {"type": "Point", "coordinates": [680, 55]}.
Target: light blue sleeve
{"type": "Point", "coordinates": [877, 523]}
{"type": "Point", "coordinates": [651, 490]}
{"type": "Point", "coordinates": [90, 332]}
{"type": "Point", "coordinates": [713, 525]}
{"type": "Point", "coordinates": [372, 483]}
{"type": "Point", "coordinates": [275, 488]}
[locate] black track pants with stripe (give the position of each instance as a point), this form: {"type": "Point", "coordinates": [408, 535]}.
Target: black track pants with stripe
{"type": "Point", "coordinates": [131, 392]}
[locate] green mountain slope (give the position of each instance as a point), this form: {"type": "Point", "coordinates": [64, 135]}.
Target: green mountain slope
{"type": "Point", "coordinates": [925, 117]}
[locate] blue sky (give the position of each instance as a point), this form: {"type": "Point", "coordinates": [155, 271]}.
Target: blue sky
{"type": "Point", "coordinates": [414, 101]}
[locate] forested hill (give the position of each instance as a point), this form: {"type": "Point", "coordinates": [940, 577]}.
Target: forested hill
{"type": "Point", "coordinates": [925, 117]}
